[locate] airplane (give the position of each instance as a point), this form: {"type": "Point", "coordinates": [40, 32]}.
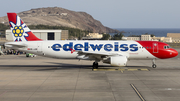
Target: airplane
{"type": "Point", "coordinates": [113, 52]}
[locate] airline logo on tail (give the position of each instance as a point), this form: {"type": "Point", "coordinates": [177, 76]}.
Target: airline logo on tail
{"type": "Point", "coordinates": [19, 29]}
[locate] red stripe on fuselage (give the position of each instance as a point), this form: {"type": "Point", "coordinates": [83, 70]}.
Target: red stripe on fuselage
{"type": "Point", "coordinates": [157, 49]}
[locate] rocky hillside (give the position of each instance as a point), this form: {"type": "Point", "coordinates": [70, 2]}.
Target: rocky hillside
{"type": "Point", "coordinates": [61, 17]}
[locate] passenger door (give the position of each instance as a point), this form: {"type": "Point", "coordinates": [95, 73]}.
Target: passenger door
{"type": "Point", "coordinates": [155, 47]}
{"type": "Point", "coordinates": [39, 47]}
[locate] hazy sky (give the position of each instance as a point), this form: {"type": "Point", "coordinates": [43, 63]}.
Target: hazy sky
{"type": "Point", "coordinates": [111, 13]}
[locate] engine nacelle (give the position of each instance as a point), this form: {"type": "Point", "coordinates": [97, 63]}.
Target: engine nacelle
{"type": "Point", "coordinates": [116, 60]}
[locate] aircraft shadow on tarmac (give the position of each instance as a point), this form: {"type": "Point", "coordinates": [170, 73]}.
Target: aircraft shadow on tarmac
{"type": "Point", "coordinates": [61, 66]}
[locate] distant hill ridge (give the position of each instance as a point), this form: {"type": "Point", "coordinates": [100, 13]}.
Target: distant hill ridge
{"type": "Point", "coordinates": [56, 16]}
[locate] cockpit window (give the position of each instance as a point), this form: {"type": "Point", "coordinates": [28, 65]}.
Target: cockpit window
{"type": "Point", "coordinates": [167, 47]}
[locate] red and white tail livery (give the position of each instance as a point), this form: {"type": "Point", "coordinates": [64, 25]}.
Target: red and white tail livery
{"type": "Point", "coordinates": [114, 52]}
{"type": "Point", "coordinates": [19, 29]}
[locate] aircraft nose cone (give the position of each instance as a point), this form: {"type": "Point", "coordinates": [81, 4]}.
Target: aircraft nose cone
{"type": "Point", "coordinates": [174, 53]}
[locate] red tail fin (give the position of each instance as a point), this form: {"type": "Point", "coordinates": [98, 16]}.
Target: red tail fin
{"type": "Point", "coordinates": [19, 29]}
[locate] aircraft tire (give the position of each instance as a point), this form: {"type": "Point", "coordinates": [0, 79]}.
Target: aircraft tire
{"type": "Point", "coordinates": [96, 65]}
{"type": "Point", "coordinates": [154, 65]}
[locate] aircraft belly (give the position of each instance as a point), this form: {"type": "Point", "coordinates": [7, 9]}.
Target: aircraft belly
{"type": "Point", "coordinates": [61, 54]}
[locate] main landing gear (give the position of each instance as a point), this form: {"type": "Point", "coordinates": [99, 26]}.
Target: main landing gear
{"type": "Point", "coordinates": [154, 65]}
{"type": "Point", "coordinates": [95, 65]}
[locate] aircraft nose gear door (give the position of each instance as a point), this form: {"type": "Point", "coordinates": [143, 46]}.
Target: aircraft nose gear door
{"type": "Point", "coordinates": [155, 47]}
{"type": "Point", "coordinates": [39, 47]}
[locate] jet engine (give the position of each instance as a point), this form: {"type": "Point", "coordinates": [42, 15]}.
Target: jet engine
{"type": "Point", "coordinates": [116, 60]}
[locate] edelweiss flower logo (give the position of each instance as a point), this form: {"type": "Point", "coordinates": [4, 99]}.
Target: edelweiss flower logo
{"type": "Point", "coordinates": [19, 30]}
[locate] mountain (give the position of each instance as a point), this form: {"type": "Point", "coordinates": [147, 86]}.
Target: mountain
{"type": "Point", "coordinates": [56, 16]}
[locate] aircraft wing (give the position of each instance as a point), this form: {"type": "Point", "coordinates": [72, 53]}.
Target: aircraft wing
{"type": "Point", "coordinates": [96, 55]}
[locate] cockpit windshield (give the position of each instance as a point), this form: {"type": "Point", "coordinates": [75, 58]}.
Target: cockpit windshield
{"type": "Point", "coordinates": [167, 47]}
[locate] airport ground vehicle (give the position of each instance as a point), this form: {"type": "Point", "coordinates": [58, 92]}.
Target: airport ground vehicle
{"type": "Point", "coordinates": [30, 55]}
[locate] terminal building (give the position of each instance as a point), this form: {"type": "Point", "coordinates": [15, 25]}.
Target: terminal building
{"type": "Point", "coordinates": [44, 34]}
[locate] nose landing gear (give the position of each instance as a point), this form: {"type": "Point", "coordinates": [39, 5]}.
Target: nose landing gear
{"type": "Point", "coordinates": [154, 65]}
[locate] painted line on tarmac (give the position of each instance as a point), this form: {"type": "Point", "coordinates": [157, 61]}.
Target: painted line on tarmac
{"type": "Point", "coordinates": [137, 92]}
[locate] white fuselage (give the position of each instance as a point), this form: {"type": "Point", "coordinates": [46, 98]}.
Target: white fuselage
{"type": "Point", "coordinates": [61, 49]}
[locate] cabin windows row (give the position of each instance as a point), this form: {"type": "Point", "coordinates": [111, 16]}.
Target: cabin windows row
{"type": "Point", "coordinates": [147, 47]}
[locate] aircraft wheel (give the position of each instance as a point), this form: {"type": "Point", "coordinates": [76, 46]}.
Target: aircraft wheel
{"type": "Point", "coordinates": [154, 65]}
{"type": "Point", "coordinates": [95, 65]}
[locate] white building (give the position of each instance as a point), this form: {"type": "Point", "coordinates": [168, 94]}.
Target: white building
{"type": "Point", "coordinates": [142, 37]}
{"type": "Point", "coordinates": [94, 35]}
{"type": "Point", "coordinates": [145, 37]}
{"type": "Point", "coordinates": [167, 39]}
{"type": "Point", "coordinates": [133, 38]}
{"type": "Point", "coordinates": [149, 38]}
{"type": "Point", "coordinates": [44, 34]}
{"type": "Point", "coordinates": [175, 37]}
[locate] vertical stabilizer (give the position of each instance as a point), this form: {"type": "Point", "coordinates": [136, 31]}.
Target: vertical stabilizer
{"type": "Point", "coordinates": [19, 29]}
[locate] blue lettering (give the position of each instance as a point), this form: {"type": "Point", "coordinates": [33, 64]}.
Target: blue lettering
{"type": "Point", "coordinates": [67, 46]}
{"type": "Point", "coordinates": [134, 47]}
{"type": "Point", "coordinates": [56, 47]}
{"type": "Point", "coordinates": [77, 46]}
{"type": "Point", "coordinates": [116, 46]}
{"type": "Point", "coordinates": [124, 46]}
{"type": "Point", "coordinates": [96, 47]}
{"type": "Point", "coordinates": [86, 46]}
{"type": "Point", "coordinates": [108, 46]}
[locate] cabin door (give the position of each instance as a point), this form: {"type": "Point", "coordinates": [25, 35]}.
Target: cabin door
{"type": "Point", "coordinates": [155, 47]}
{"type": "Point", "coordinates": [39, 47]}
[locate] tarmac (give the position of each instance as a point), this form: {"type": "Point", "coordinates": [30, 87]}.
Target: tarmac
{"type": "Point", "coordinates": [47, 79]}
